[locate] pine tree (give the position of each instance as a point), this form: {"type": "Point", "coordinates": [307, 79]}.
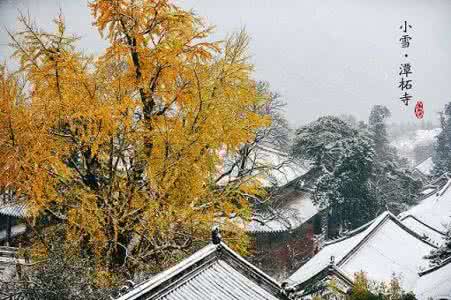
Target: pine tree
{"type": "Point", "coordinates": [378, 129]}
{"type": "Point", "coordinates": [391, 183]}
{"type": "Point", "coordinates": [342, 159]}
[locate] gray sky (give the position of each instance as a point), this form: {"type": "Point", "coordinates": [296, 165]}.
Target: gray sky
{"type": "Point", "coordinates": [323, 57]}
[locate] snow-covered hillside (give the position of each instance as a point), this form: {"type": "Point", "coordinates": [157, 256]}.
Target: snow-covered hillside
{"type": "Point", "coordinates": [421, 137]}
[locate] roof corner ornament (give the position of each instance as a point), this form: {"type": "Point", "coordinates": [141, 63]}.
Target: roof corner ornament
{"type": "Point", "coordinates": [287, 290]}
{"type": "Point", "coordinates": [332, 260]}
{"type": "Point", "coordinates": [215, 235]}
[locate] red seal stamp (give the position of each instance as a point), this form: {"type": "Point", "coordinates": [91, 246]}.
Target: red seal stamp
{"type": "Point", "coordinates": [419, 110]}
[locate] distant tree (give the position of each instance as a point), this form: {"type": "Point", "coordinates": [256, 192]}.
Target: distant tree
{"type": "Point", "coordinates": [442, 153]}
{"type": "Point", "coordinates": [349, 176]}
{"type": "Point", "coordinates": [391, 183]}
{"type": "Point", "coordinates": [378, 129]}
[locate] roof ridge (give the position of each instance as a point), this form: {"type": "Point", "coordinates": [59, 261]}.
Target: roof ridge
{"type": "Point", "coordinates": [430, 157]}
{"type": "Point", "coordinates": [352, 232]}
{"type": "Point", "coordinates": [392, 217]}
{"type": "Point", "coordinates": [251, 266]}
{"type": "Point", "coordinates": [162, 283]}
{"type": "Point", "coordinates": [412, 232]}
{"type": "Point", "coordinates": [365, 238]}
{"type": "Point", "coordinates": [296, 286]}
{"type": "Point", "coordinates": [421, 222]}
{"type": "Point", "coordinates": [160, 278]}
{"type": "Point", "coordinates": [445, 188]}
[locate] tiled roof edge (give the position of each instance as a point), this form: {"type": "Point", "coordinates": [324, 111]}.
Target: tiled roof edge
{"type": "Point", "coordinates": [275, 285]}
{"type": "Point", "coordinates": [177, 270]}
{"type": "Point", "coordinates": [351, 233]}
{"type": "Point", "coordinates": [162, 282]}
{"type": "Point", "coordinates": [326, 271]}
{"type": "Point", "coordinates": [388, 215]}
{"type": "Point", "coordinates": [430, 270]}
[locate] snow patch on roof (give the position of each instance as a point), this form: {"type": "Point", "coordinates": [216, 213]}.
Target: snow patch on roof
{"type": "Point", "coordinates": [435, 284]}
{"type": "Point", "coordinates": [435, 210]}
{"type": "Point", "coordinates": [208, 273]}
{"type": "Point", "coordinates": [284, 169]}
{"type": "Point", "coordinates": [337, 249]}
{"type": "Point", "coordinates": [15, 231]}
{"type": "Point", "coordinates": [297, 211]}
{"type": "Point", "coordinates": [427, 191]}
{"type": "Point", "coordinates": [390, 250]}
{"type": "Point", "coordinates": [423, 229]}
{"type": "Point", "coordinates": [376, 248]}
{"type": "Point", "coordinates": [426, 167]}
{"type": "Point", "coordinates": [272, 167]}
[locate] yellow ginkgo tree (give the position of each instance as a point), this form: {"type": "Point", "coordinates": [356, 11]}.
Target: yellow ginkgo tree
{"type": "Point", "coordinates": [123, 149]}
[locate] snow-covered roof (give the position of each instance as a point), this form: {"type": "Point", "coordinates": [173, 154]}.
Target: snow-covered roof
{"type": "Point", "coordinates": [17, 209]}
{"type": "Point", "coordinates": [435, 283]}
{"type": "Point", "coordinates": [283, 220]}
{"type": "Point", "coordinates": [274, 168]}
{"type": "Point", "coordinates": [427, 191]}
{"type": "Point", "coordinates": [282, 169]}
{"type": "Point", "coordinates": [434, 236]}
{"type": "Point", "coordinates": [214, 272]}
{"type": "Point", "coordinates": [375, 248]}
{"type": "Point", "coordinates": [435, 210]}
{"type": "Point", "coordinates": [426, 167]}
{"type": "Point", "coordinates": [296, 212]}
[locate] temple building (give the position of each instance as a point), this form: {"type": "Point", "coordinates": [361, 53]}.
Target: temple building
{"type": "Point", "coordinates": [215, 272]}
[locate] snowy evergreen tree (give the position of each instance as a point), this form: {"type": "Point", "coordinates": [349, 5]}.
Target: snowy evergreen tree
{"type": "Point", "coordinates": [378, 128]}
{"type": "Point", "coordinates": [355, 173]}
{"type": "Point", "coordinates": [342, 159]}
{"type": "Point", "coordinates": [392, 183]}
{"type": "Point", "coordinates": [442, 153]}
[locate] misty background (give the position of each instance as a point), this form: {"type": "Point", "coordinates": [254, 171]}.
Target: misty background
{"type": "Point", "coordinates": [323, 57]}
